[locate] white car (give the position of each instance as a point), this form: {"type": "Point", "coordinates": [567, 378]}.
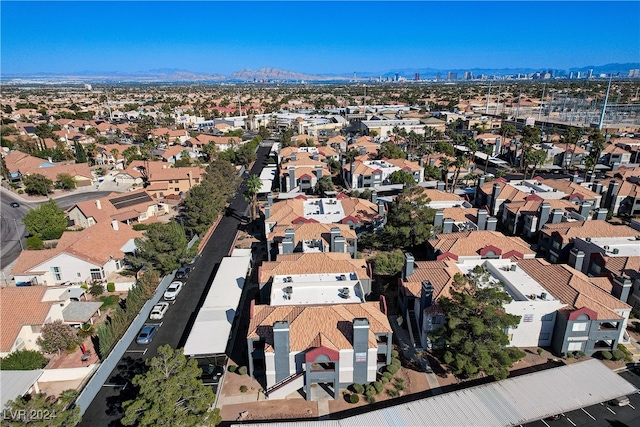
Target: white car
{"type": "Point", "coordinates": [158, 310]}
{"type": "Point", "coordinates": [173, 290]}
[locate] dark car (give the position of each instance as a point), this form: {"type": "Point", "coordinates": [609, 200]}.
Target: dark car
{"type": "Point", "coordinates": [183, 272]}
{"type": "Point", "coordinates": [146, 334]}
{"type": "Point", "coordinates": [15, 204]}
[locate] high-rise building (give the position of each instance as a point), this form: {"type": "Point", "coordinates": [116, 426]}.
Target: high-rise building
{"type": "Point", "coordinates": [438, 77]}
{"type": "Point", "coordinates": [416, 77]}
{"type": "Point", "coordinates": [452, 76]}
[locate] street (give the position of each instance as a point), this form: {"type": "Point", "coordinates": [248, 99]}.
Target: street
{"type": "Point", "coordinates": [105, 410]}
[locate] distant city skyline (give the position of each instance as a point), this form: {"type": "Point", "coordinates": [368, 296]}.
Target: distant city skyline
{"type": "Point", "coordinates": [314, 37]}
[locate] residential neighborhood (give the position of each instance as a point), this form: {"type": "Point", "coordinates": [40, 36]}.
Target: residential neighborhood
{"type": "Point", "coordinates": [306, 257]}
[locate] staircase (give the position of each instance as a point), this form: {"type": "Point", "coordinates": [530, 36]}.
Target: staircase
{"type": "Point", "coordinates": [635, 352]}
{"type": "Point", "coordinates": [414, 330]}
{"type": "Point", "coordinates": [286, 386]}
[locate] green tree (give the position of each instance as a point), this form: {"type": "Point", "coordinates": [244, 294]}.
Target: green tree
{"type": "Point", "coordinates": [432, 172]}
{"type": "Point", "coordinates": [130, 154]}
{"type": "Point", "coordinates": [444, 147]}
{"type": "Point", "coordinates": [538, 158]}
{"type": "Point", "coordinates": [508, 130]}
{"type": "Point", "coordinates": [402, 177]}
{"type": "Point", "coordinates": [46, 221]}
{"type": "Point", "coordinates": [57, 336]}
{"type": "Point", "coordinates": [597, 141]}
{"type": "Point", "coordinates": [81, 154]}
{"type": "Point", "coordinates": [30, 409]}
{"type": "Point", "coordinates": [323, 185]}
{"type": "Point", "coordinates": [65, 181]}
{"type": "Point", "coordinates": [253, 185]}
{"type": "Point", "coordinates": [473, 338]}
{"type": "Point", "coordinates": [23, 360]}
{"type": "Point", "coordinates": [171, 393]}
{"type": "Point", "coordinates": [163, 247]}
{"type": "Point", "coordinates": [36, 184]}
{"type": "Point", "coordinates": [409, 220]}
{"type": "Point", "coordinates": [43, 130]}
{"type": "Point", "coordinates": [571, 137]}
{"type": "Point", "coordinates": [246, 154]}
{"type": "Point", "coordinates": [388, 263]}
{"type": "Point", "coordinates": [389, 150]}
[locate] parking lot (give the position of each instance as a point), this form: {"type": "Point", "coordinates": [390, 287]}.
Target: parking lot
{"type": "Point", "coordinates": [603, 414]}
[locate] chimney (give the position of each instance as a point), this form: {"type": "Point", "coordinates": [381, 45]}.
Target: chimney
{"type": "Point", "coordinates": [575, 177]}
{"type": "Point", "coordinates": [497, 147]}
{"type": "Point", "coordinates": [269, 198]}
{"type": "Point", "coordinates": [426, 295]}
{"type": "Point", "coordinates": [615, 166]}
{"type": "Point", "coordinates": [494, 198]}
{"type": "Point", "coordinates": [114, 224]}
{"type": "Point", "coordinates": [601, 214]}
{"type": "Point", "coordinates": [363, 150]}
{"type": "Point", "coordinates": [432, 161]}
{"type": "Point", "coordinates": [621, 288]}
{"type": "Point", "coordinates": [335, 232]}
{"type": "Point", "coordinates": [545, 210]}
{"type": "Point", "coordinates": [267, 212]}
{"type": "Point", "coordinates": [293, 157]}
{"type": "Point", "coordinates": [591, 177]}
{"type": "Point", "coordinates": [353, 169]}
{"type": "Point", "coordinates": [339, 244]}
{"type": "Point", "coordinates": [292, 178]}
{"type": "Point", "coordinates": [482, 219]}
{"type": "Point", "coordinates": [585, 207]}
{"type": "Point", "coordinates": [374, 197]}
{"type": "Point", "coordinates": [381, 211]}
{"type": "Point", "coordinates": [476, 194]}
{"type": "Point", "coordinates": [492, 223]}
{"type": "Point", "coordinates": [439, 219]}
{"type": "Point", "coordinates": [287, 245]}
{"type": "Point", "coordinates": [315, 157]}
{"type": "Point", "coordinates": [318, 172]}
{"type": "Point", "coordinates": [556, 216]}
{"type": "Point", "coordinates": [597, 187]}
{"type": "Point", "coordinates": [611, 193]}
{"type": "Point", "coordinates": [407, 269]}
{"type": "Point", "coordinates": [440, 186]}
{"type": "Point", "coordinates": [576, 259]}
{"type": "Point", "coordinates": [421, 162]}
{"type": "Point", "coordinates": [360, 350]}
{"type": "Point", "coordinates": [343, 161]}
{"type": "Point", "coordinates": [281, 349]}
{"type": "Point", "coordinates": [447, 226]}
{"type": "Point", "coordinates": [98, 204]}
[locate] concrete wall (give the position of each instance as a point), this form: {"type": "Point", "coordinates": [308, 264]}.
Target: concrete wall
{"type": "Point", "coordinates": [67, 374]}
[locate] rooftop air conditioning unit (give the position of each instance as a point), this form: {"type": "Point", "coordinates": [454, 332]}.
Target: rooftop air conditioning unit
{"type": "Point", "coordinates": [532, 296]}
{"type": "Point", "coordinates": [543, 296]}
{"type": "Point", "coordinates": [616, 251]}
{"type": "Point", "coordinates": [288, 290]}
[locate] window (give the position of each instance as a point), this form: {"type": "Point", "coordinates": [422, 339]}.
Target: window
{"type": "Point", "coordinates": [527, 318]}
{"type": "Point", "coordinates": [196, 180]}
{"type": "Point", "coordinates": [96, 273]}
{"type": "Point", "coordinates": [574, 346]}
{"type": "Point", "coordinates": [555, 244]}
{"type": "Point", "coordinates": [56, 273]}
{"type": "Point", "coordinates": [547, 317]}
{"type": "Point", "coordinates": [553, 258]}
{"type": "Point", "coordinates": [118, 264]}
{"type": "Point", "coordinates": [176, 189]}
{"type": "Point", "coordinates": [579, 327]}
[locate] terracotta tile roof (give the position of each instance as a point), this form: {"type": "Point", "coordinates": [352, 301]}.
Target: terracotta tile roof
{"type": "Point", "coordinates": [95, 244]}
{"type": "Point", "coordinates": [312, 326]}
{"type": "Point", "coordinates": [405, 164]}
{"type": "Point", "coordinates": [594, 228]}
{"type": "Point", "coordinates": [437, 195]}
{"type": "Point", "coordinates": [571, 188]}
{"type": "Point", "coordinates": [629, 266]}
{"type": "Point", "coordinates": [469, 243]}
{"type": "Point", "coordinates": [507, 191]}
{"type": "Point", "coordinates": [573, 288]}
{"type": "Point", "coordinates": [108, 211]}
{"type": "Point", "coordinates": [286, 211]}
{"type": "Point", "coordinates": [20, 306]}
{"type": "Point", "coordinates": [461, 214]}
{"type": "Point", "coordinates": [173, 151]}
{"type": "Point", "coordinates": [438, 273]}
{"type": "Point", "coordinates": [161, 171]}
{"type": "Point", "coordinates": [313, 263]}
{"type": "Point", "coordinates": [532, 206]}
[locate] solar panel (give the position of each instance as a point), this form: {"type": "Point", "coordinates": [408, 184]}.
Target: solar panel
{"type": "Point", "coordinates": [130, 200]}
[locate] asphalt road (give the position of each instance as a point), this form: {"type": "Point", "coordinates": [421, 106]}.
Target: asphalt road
{"type": "Point", "coordinates": [601, 415]}
{"type": "Point", "coordinates": [105, 410]}
{"type": "Point", "coordinates": [11, 227]}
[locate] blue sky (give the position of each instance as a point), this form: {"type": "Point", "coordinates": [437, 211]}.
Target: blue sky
{"type": "Point", "coordinates": [314, 37]}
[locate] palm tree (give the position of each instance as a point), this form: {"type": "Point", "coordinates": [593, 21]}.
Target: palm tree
{"type": "Point", "coordinates": [253, 184]}
{"type": "Point", "coordinates": [597, 141]}
{"type": "Point", "coordinates": [445, 164]}
{"type": "Point", "coordinates": [570, 137]}
{"type": "Point", "coordinates": [461, 161]}
{"type": "Point", "coordinates": [115, 152]}
{"type": "Point", "coordinates": [488, 150]}
{"type": "Point", "coordinates": [538, 158]}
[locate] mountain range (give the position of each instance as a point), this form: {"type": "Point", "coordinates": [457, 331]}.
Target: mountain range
{"type": "Point", "coordinates": [275, 74]}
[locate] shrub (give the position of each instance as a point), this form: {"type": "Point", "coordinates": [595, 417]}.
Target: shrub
{"type": "Point", "coordinates": [84, 286]}
{"type": "Point", "coordinates": [23, 360]}
{"type": "Point", "coordinates": [140, 227]}
{"type": "Point", "coordinates": [358, 388]}
{"type": "Point", "coordinates": [580, 354]}
{"type": "Point", "coordinates": [393, 392]}
{"type": "Point", "coordinates": [34, 243]}
{"type": "Point", "coordinates": [242, 370]}
{"type": "Point", "coordinates": [96, 289]}
{"type": "Point", "coordinates": [539, 351]}
{"type": "Point", "coordinates": [399, 386]}
{"type": "Point", "coordinates": [392, 369]}
{"type": "Point", "coordinates": [606, 355]}
{"type": "Point", "coordinates": [617, 354]}
{"type": "Point", "coordinates": [243, 389]}
{"type": "Point", "coordinates": [232, 368]}
{"type": "Point", "coordinates": [86, 330]}
{"type": "Point", "coordinates": [396, 362]}
{"type": "Point", "coordinates": [569, 354]}
{"type": "Point", "coordinates": [370, 390]}
{"type": "Point", "coordinates": [388, 376]}
{"type": "Point", "coordinates": [371, 399]}
{"type": "Point", "coordinates": [394, 354]}
{"type": "Point", "coordinates": [378, 386]}
{"type": "Point", "coordinates": [111, 287]}
{"type": "Point", "coordinates": [384, 380]}
{"type": "Point", "coordinates": [354, 398]}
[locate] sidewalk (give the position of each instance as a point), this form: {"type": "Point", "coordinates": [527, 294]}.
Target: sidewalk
{"type": "Point", "coordinates": [107, 185]}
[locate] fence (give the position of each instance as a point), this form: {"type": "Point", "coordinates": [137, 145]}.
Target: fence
{"type": "Point", "coordinates": [102, 374]}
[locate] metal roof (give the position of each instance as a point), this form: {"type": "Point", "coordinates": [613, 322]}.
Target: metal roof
{"type": "Point", "coordinates": [17, 383]}
{"type": "Point", "coordinates": [511, 402]}
{"type": "Point", "coordinates": [80, 311]}
{"type": "Point", "coordinates": [130, 200]}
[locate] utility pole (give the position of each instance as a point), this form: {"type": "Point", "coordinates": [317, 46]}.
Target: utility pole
{"type": "Point", "coordinates": [604, 106]}
{"type": "Point", "coordinates": [488, 98]}
{"type": "Point", "coordinates": [18, 231]}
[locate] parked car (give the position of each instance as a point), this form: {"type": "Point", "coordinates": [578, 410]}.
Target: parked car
{"type": "Point", "coordinates": [146, 334]}
{"type": "Point", "coordinates": [183, 272]}
{"type": "Point", "coordinates": [158, 310]}
{"type": "Point", "coordinates": [620, 401]}
{"type": "Point", "coordinates": [172, 291]}
{"type": "Point", "coordinates": [15, 205]}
